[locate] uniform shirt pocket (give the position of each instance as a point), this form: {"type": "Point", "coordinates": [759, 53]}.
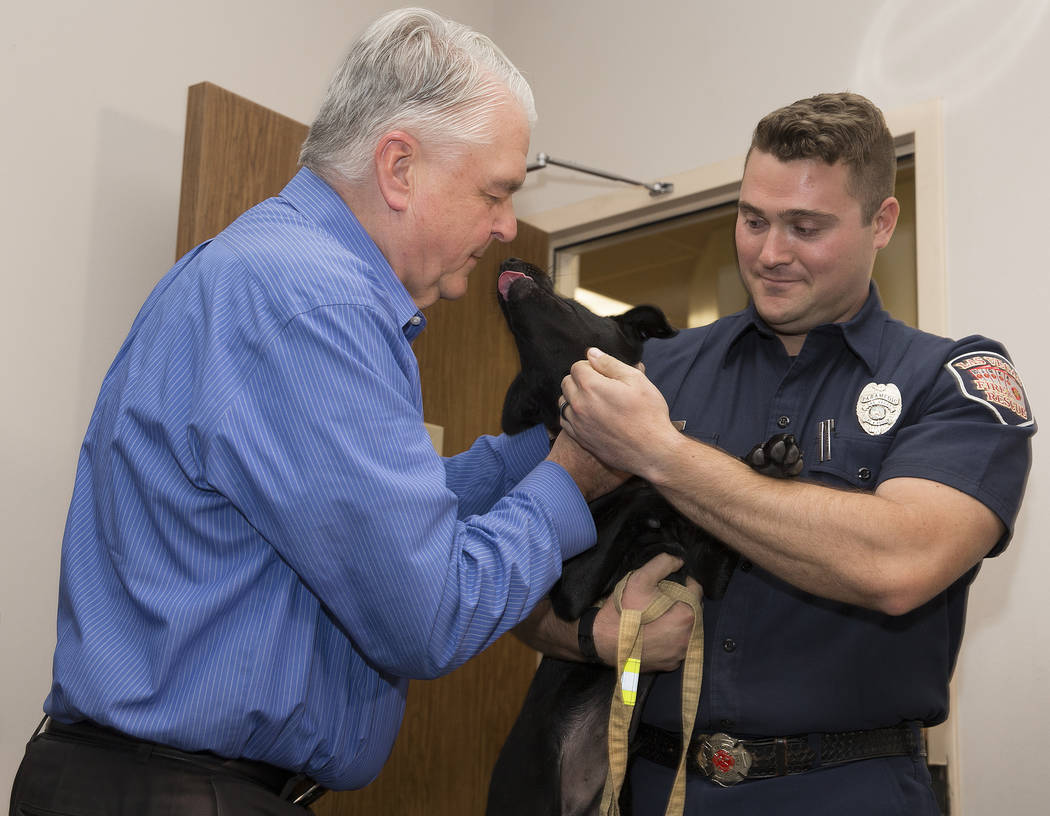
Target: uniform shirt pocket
{"type": "Point", "coordinates": [855, 459]}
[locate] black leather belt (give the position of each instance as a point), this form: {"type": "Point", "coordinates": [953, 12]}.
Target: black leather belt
{"type": "Point", "coordinates": [288, 785]}
{"type": "Point", "coordinates": [726, 760]}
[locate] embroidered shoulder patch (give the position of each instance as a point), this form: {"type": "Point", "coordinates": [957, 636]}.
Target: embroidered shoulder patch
{"type": "Point", "coordinates": [991, 379]}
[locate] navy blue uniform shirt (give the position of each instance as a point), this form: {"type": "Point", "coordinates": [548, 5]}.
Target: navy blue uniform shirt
{"type": "Point", "coordinates": [780, 661]}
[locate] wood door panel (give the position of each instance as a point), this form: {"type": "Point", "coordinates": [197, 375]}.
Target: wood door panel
{"type": "Point", "coordinates": [236, 154]}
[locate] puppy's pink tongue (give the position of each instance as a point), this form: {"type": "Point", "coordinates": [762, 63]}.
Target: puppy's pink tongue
{"type": "Point", "coordinates": [506, 278]}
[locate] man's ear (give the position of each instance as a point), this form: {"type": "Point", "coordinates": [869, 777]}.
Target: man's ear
{"type": "Point", "coordinates": [395, 156]}
{"type": "Point", "coordinates": [886, 221]}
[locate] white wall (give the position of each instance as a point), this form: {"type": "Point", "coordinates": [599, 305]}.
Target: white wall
{"type": "Point", "coordinates": [649, 89]}
{"type": "Point", "coordinates": [94, 102]}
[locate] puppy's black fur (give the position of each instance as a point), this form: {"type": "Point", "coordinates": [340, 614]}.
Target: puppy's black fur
{"type": "Point", "coordinates": [554, 760]}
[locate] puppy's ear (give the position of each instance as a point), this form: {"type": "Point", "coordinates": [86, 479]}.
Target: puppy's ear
{"type": "Point", "coordinates": [643, 322]}
{"type": "Point", "coordinates": [521, 410]}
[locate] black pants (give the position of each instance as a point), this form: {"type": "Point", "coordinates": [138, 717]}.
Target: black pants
{"type": "Point", "coordinates": [65, 777]}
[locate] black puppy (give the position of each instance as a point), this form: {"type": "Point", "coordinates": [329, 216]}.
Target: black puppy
{"type": "Point", "coordinates": [555, 760]}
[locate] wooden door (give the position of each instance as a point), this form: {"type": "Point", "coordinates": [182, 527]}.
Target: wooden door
{"type": "Point", "coordinates": [238, 153]}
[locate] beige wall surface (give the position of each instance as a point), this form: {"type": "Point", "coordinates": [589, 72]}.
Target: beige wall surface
{"type": "Point", "coordinates": [94, 99]}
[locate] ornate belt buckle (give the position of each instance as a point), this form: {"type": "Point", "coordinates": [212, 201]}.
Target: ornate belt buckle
{"type": "Point", "coordinates": [724, 759]}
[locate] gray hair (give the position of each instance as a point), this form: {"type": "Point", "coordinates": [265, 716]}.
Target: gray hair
{"type": "Point", "coordinates": [417, 71]}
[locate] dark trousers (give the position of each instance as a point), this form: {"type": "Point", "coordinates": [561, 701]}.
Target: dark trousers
{"type": "Point", "coordinates": [893, 786]}
{"type": "Point", "coordinates": [66, 777]}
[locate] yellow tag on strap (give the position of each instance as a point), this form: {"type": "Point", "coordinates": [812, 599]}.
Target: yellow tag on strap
{"type": "Point", "coordinates": [629, 681]}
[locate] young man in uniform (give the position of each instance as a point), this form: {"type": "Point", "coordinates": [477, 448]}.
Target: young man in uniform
{"type": "Point", "coordinates": [836, 639]}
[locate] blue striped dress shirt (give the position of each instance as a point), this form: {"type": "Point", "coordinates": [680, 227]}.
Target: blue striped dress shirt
{"type": "Point", "coordinates": [262, 543]}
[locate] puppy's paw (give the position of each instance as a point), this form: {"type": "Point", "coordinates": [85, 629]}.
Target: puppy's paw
{"type": "Point", "coordinates": [779, 456]}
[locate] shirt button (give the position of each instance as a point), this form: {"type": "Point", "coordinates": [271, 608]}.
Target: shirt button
{"type": "Point", "coordinates": [746, 565]}
{"type": "Point", "coordinates": [415, 320]}
{"type": "Point", "coordinates": [864, 474]}
{"type": "Point", "coordinates": [729, 645]}
{"type": "Point", "coordinates": [783, 421]}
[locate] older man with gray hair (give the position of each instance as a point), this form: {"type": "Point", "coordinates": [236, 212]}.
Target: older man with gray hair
{"type": "Point", "coordinates": [262, 544]}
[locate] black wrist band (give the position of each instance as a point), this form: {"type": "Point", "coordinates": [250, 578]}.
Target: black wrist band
{"type": "Point", "coordinates": [585, 636]}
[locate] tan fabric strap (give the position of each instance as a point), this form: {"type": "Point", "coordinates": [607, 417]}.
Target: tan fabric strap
{"type": "Point", "coordinates": [628, 664]}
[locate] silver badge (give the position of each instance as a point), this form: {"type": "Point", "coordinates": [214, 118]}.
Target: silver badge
{"type": "Point", "coordinates": [724, 759]}
{"type": "Point", "coordinates": [878, 407]}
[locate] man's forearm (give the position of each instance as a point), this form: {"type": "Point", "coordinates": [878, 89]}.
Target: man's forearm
{"type": "Point", "coordinates": [890, 550]}
{"type": "Point", "coordinates": [548, 634]}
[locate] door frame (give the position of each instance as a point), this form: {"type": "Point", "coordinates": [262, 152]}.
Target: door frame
{"type": "Point", "coordinates": [917, 130]}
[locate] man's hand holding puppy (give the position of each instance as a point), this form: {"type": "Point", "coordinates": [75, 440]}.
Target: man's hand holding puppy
{"type": "Point", "coordinates": [665, 639]}
{"type": "Point", "coordinates": [616, 412]}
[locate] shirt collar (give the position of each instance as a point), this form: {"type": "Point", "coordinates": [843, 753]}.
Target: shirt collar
{"type": "Point", "coordinates": [862, 333]}
{"type": "Point", "coordinates": [315, 200]}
